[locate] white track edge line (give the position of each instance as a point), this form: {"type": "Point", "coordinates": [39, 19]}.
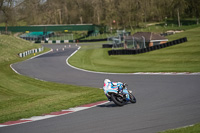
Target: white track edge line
{"type": "Point", "coordinates": [76, 109]}
{"type": "Point", "coordinates": [138, 73]}
{"type": "Point", "coordinates": [28, 59]}
{"type": "Point", "coordinates": [38, 118]}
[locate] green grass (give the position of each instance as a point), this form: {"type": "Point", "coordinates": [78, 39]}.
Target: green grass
{"type": "Point", "coordinates": [99, 36]}
{"type": "Point", "coordinates": [68, 36]}
{"type": "Point", "coordinates": [23, 97]}
{"type": "Point", "coordinates": [160, 28]}
{"type": "Point", "coordinates": [190, 129]}
{"type": "Point", "coordinates": [184, 57]}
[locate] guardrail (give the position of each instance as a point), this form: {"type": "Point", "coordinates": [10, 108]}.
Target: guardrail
{"type": "Point", "coordinates": [144, 50]}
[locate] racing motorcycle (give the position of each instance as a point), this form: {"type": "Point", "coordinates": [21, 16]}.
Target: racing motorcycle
{"type": "Point", "coordinates": [118, 93]}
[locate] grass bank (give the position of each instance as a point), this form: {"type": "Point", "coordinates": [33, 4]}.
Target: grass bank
{"type": "Point", "coordinates": [190, 129]}
{"type": "Point", "coordinates": [184, 57]}
{"type": "Point", "coordinates": [23, 97]}
{"type": "Point", "coordinates": [161, 28]}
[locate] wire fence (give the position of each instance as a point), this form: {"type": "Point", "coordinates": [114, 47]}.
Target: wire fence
{"type": "Point", "coordinates": [135, 43]}
{"type": "Point", "coordinates": [62, 37]}
{"type": "Point", "coordinates": [117, 41]}
{"type": "Point", "coordinates": [5, 32]}
{"type": "Point", "coordinates": [47, 37]}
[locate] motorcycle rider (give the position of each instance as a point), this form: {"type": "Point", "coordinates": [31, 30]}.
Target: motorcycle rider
{"type": "Point", "coordinates": [113, 85]}
{"type": "Point", "coordinates": [118, 92]}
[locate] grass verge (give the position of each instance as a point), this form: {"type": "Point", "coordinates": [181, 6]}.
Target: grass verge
{"type": "Point", "coordinates": [184, 57]}
{"type": "Point", "coordinates": [23, 97]}
{"type": "Point", "coordinates": [190, 129]}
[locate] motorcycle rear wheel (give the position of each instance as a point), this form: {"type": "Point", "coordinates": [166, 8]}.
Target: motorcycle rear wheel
{"type": "Point", "coordinates": [118, 100]}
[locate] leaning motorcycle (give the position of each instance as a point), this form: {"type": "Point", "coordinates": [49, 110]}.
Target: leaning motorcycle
{"type": "Point", "coordinates": [119, 94]}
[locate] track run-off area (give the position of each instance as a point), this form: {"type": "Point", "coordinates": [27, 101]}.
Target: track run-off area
{"type": "Point", "coordinates": [164, 100]}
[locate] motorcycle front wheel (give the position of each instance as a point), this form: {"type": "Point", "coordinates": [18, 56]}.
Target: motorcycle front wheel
{"type": "Point", "coordinates": [118, 100]}
{"type": "Point", "coordinates": [132, 98]}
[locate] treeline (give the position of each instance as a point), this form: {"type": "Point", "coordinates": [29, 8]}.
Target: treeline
{"type": "Point", "coordinates": [125, 13]}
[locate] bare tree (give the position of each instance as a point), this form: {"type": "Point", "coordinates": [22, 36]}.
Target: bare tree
{"type": "Point", "coordinates": [126, 13]}
{"type": "Point", "coordinates": [7, 6]}
{"type": "Point", "coordinates": [97, 10]}
{"type": "Point", "coordinates": [179, 7]}
{"type": "Point", "coordinates": [194, 9]}
{"type": "Point", "coordinates": [79, 4]}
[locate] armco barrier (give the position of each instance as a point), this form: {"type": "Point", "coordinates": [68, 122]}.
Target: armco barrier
{"type": "Point", "coordinates": [32, 51]}
{"type": "Point", "coordinates": [138, 51]}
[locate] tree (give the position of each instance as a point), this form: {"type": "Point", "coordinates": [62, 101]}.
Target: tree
{"type": "Point", "coordinates": [79, 4]}
{"type": "Point", "coordinates": [179, 7]}
{"type": "Point", "coordinates": [6, 6]}
{"type": "Point", "coordinates": [194, 9]}
{"type": "Point", "coordinates": [98, 9]}
{"type": "Point", "coordinates": [126, 13]}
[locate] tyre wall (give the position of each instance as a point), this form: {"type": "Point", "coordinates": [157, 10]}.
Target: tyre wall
{"type": "Point", "coordinates": [144, 50]}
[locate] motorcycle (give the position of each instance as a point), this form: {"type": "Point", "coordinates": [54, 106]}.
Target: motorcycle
{"type": "Point", "coordinates": [118, 93]}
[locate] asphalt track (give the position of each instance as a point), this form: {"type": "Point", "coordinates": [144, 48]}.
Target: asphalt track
{"type": "Point", "coordinates": [163, 101]}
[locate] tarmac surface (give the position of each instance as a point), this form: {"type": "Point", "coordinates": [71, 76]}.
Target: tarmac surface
{"type": "Point", "coordinates": [163, 101]}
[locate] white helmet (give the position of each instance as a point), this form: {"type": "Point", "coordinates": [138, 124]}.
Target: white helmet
{"type": "Point", "coordinates": [106, 81]}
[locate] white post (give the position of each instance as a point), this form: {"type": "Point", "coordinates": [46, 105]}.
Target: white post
{"type": "Point", "coordinates": [144, 42]}
{"type": "Point", "coordinates": [133, 43]}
